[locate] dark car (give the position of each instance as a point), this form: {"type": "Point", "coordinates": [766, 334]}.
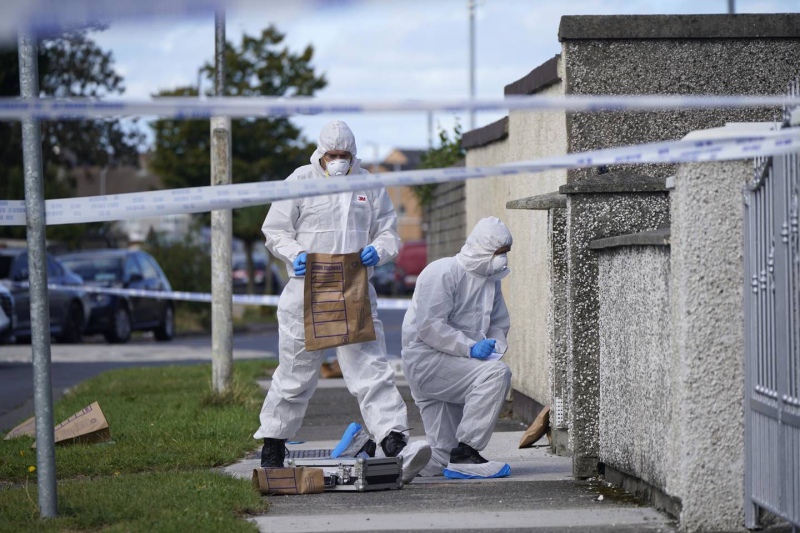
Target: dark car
{"type": "Point", "coordinates": [115, 316]}
{"type": "Point", "coordinates": [69, 308]}
{"type": "Point", "coordinates": [409, 263]}
{"type": "Point", "coordinates": [8, 317]}
{"type": "Point", "coordinates": [241, 277]}
{"type": "Point", "coordinates": [383, 279]}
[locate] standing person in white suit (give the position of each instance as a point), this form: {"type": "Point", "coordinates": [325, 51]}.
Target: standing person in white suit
{"type": "Point", "coordinates": [454, 333]}
{"type": "Point", "coordinates": [358, 221]}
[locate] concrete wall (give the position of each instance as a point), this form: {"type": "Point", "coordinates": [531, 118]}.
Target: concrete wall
{"type": "Point", "coordinates": [635, 367]}
{"type": "Point", "coordinates": [706, 446]}
{"type": "Point", "coordinates": [671, 354]}
{"type": "Point", "coordinates": [530, 136]}
{"type": "Point", "coordinates": [692, 54]}
{"type": "Point", "coordinates": [446, 218]}
{"type": "Point", "coordinates": [593, 216]}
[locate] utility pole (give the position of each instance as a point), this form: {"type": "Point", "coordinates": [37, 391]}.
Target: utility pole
{"type": "Point", "coordinates": [471, 6]}
{"type": "Point", "coordinates": [731, 7]}
{"type": "Point", "coordinates": [430, 130]}
{"type": "Point", "coordinates": [37, 278]}
{"type": "Point", "coordinates": [221, 231]}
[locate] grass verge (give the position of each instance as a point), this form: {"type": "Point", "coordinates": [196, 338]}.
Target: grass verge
{"type": "Point", "coordinates": [168, 431]}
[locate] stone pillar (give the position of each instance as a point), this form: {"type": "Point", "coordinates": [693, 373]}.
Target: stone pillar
{"type": "Point", "coordinates": [602, 206]}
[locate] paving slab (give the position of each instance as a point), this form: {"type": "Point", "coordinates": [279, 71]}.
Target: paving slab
{"type": "Point", "coordinates": [539, 495]}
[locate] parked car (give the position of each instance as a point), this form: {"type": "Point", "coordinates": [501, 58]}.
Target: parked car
{"type": "Point", "coordinates": [69, 308]}
{"type": "Point", "coordinates": [113, 316]}
{"type": "Point", "coordinates": [8, 316]}
{"type": "Point", "coordinates": [409, 263]}
{"type": "Point", "coordinates": [240, 275]}
{"type": "Point", "coordinates": [383, 279]}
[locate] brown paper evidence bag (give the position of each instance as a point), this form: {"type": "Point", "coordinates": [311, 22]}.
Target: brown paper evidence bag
{"type": "Point", "coordinates": [337, 309]}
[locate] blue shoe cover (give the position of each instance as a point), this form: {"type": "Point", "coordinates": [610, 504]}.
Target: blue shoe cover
{"type": "Point", "coordinates": [347, 439]}
{"type": "Point", "coordinates": [450, 473]}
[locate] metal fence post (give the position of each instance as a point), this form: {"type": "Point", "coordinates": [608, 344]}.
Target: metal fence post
{"type": "Point", "coordinates": [37, 277]}
{"type": "Point", "coordinates": [221, 232]}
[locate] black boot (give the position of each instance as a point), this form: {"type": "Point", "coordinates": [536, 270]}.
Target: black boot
{"type": "Point", "coordinates": [464, 453]}
{"type": "Point", "coordinates": [273, 453]}
{"type": "Point", "coordinates": [393, 444]}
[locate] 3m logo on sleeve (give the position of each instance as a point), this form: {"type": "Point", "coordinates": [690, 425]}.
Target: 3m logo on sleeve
{"type": "Point", "coordinates": [360, 198]}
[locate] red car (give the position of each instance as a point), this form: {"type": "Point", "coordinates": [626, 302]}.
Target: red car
{"type": "Point", "coordinates": [409, 263]}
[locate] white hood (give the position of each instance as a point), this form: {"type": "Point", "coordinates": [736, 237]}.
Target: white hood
{"type": "Point", "coordinates": [486, 238]}
{"type": "Point", "coordinates": [336, 135]}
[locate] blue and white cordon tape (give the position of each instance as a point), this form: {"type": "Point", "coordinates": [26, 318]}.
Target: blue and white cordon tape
{"type": "Point", "coordinates": [204, 199]}
{"type": "Point", "coordinates": [244, 299]}
{"type": "Point", "coordinates": [182, 108]}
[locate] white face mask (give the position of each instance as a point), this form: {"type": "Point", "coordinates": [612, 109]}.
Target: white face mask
{"type": "Point", "coordinates": [499, 263]}
{"type": "Point", "coordinates": [337, 167]}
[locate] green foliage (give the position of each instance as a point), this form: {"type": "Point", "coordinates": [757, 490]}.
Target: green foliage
{"type": "Point", "coordinates": [447, 154]}
{"type": "Point", "coordinates": [70, 65]}
{"type": "Point", "coordinates": [262, 149]}
{"type": "Point", "coordinates": [167, 436]}
{"type": "Point", "coordinates": [188, 268]}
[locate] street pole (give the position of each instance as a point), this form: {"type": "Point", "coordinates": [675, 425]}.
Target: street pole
{"type": "Point", "coordinates": [37, 278]}
{"type": "Point", "coordinates": [731, 7]}
{"type": "Point", "coordinates": [471, 4]}
{"type": "Point", "coordinates": [430, 130]}
{"type": "Point", "coordinates": [221, 232]}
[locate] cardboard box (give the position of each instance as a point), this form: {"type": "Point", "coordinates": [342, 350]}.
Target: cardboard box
{"type": "Point", "coordinates": [300, 480]}
{"type": "Point", "coordinates": [537, 430]}
{"type": "Point", "coordinates": [87, 426]}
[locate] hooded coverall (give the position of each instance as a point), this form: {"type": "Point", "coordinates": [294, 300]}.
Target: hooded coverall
{"type": "Point", "coordinates": [457, 302]}
{"type": "Point", "coordinates": [337, 223]}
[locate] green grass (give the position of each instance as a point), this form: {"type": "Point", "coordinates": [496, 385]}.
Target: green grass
{"type": "Point", "coordinates": [168, 431]}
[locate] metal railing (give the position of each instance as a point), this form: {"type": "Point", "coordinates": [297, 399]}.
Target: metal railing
{"type": "Point", "coordinates": [772, 336]}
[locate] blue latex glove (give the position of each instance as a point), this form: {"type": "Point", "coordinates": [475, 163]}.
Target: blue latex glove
{"type": "Point", "coordinates": [299, 264]}
{"type": "Point", "coordinates": [369, 256]}
{"type": "Point", "coordinates": [482, 349]}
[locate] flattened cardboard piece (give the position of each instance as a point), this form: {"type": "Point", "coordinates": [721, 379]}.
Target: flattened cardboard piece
{"type": "Point", "coordinates": [27, 428]}
{"type": "Point", "coordinates": [87, 426]}
{"type": "Point", "coordinates": [337, 310]}
{"type": "Point", "coordinates": [537, 430]}
{"type": "Point", "coordinates": [288, 481]}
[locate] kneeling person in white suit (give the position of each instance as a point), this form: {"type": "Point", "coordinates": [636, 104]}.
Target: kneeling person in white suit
{"type": "Point", "coordinates": [454, 333]}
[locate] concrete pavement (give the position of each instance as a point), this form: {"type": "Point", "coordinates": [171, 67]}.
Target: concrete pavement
{"type": "Point", "coordinates": [540, 494]}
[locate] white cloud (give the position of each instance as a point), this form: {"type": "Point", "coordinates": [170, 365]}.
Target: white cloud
{"type": "Point", "coordinates": [377, 50]}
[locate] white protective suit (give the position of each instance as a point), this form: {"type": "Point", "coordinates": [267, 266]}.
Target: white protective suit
{"type": "Point", "coordinates": [337, 223]}
{"type": "Point", "coordinates": [458, 302]}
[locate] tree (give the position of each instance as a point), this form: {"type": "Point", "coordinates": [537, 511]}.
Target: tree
{"type": "Point", "coordinates": [262, 149]}
{"type": "Point", "coordinates": [70, 65]}
{"type": "Point", "coordinates": [447, 154]}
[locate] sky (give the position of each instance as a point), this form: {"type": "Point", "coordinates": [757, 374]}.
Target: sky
{"type": "Point", "coordinates": [379, 50]}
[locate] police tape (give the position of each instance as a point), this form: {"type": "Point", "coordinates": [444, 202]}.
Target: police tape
{"type": "Point", "coordinates": [243, 299]}
{"type": "Point", "coordinates": [210, 198]}
{"type": "Point", "coordinates": [186, 108]}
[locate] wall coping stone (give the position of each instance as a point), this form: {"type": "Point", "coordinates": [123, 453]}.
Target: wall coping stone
{"type": "Point", "coordinates": [541, 202]}
{"type": "Point", "coordinates": [658, 237]}
{"type": "Point", "coordinates": [718, 26]}
{"type": "Point", "coordinates": [496, 131]}
{"type": "Point", "coordinates": [536, 80]}
{"type": "Point", "coordinates": [615, 182]}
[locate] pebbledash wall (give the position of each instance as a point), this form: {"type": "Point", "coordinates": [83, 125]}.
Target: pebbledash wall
{"type": "Point", "coordinates": [521, 136]}
{"type": "Point", "coordinates": [641, 396]}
